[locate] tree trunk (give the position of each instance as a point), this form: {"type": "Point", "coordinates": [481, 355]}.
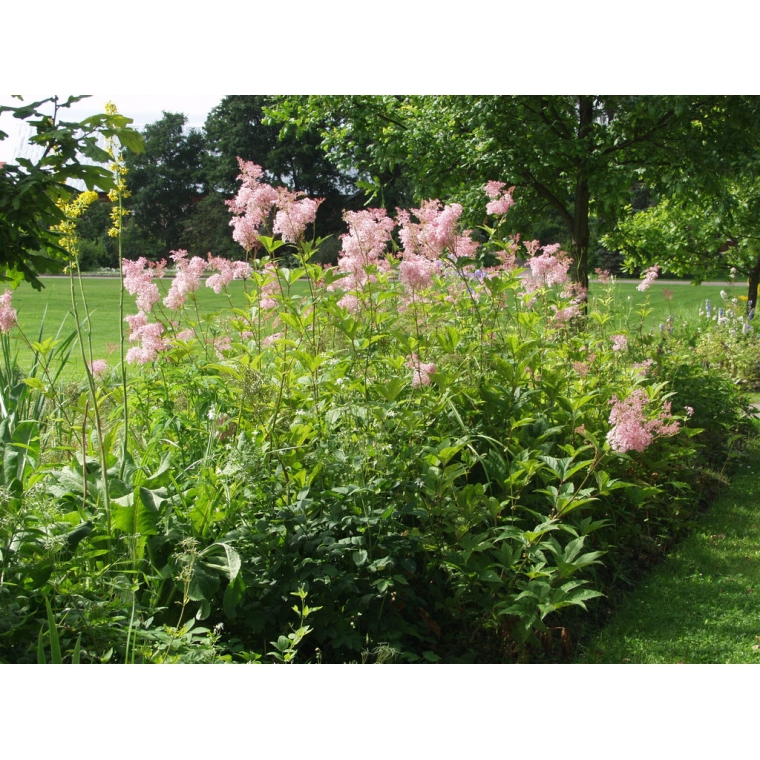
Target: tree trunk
{"type": "Point", "coordinates": [754, 281]}
{"type": "Point", "coordinates": [580, 232]}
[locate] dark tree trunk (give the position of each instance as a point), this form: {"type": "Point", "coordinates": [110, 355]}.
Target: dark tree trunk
{"type": "Point", "coordinates": [580, 231]}
{"type": "Point", "coordinates": [754, 281]}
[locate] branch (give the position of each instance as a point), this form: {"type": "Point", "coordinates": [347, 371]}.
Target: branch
{"type": "Point", "coordinates": [383, 115]}
{"type": "Point", "coordinates": [542, 115]}
{"type": "Point", "coordinates": [544, 191]}
{"type": "Point", "coordinates": [636, 139]}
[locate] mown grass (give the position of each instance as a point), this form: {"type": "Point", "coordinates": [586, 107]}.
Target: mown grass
{"type": "Point", "coordinates": [685, 304]}
{"type": "Point", "coordinates": [51, 310]}
{"type": "Point", "coordinates": [53, 305]}
{"type": "Point", "coordinates": [701, 604]}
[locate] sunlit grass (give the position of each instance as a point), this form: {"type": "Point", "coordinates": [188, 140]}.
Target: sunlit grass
{"type": "Point", "coordinates": [50, 309]}
{"type": "Point", "coordinates": [700, 605]}
{"type": "Point", "coordinates": [685, 303]}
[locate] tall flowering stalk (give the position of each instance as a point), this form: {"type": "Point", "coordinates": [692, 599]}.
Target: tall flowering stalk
{"type": "Point", "coordinates": [118, 212]}
{"type": "Point", "coordinates": [69, 241]}
{"type": "Point", "coordinates": [256, 207]}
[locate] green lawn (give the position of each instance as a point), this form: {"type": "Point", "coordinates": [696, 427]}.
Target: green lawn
{"type": "Point", "coordinates": [701, 604]}
{"type": "Point", "coordinates": [686, 302]}
{"type": "Point", "coordinates": [54, 304]}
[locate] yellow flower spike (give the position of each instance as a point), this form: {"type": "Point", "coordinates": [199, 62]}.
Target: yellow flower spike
{"type": "Point", "coordinates": [73, 210]}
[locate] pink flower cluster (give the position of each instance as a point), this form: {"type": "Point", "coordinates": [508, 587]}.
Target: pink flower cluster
{"type": "Point", "coordinates": [650, 275]}
{"type": "Point", "coordinates": [620, 342]}
{"type": "Point", "coordinates": [149, 334]}
{"type": "Point", "coordinates": [364, 246]}
{"type": "Point", "coordinates": [581, 368]}
{"type": "Point", "coordinates": [508, 255]}
{"type": "Point", "coordinates": [642, 368]}
{"type": "Point", "coordinates": [270, 287]}
{"type": "Point", "coordinates": [422, 371]}
{"type": "Point", "coordinates": [295, 215]}
{"type": "Point", "coordinates": [227, 271]}
{"type": "Point", "coordinates": [138, 281]}
{"type": "Point", "coordinates": [99, 367]}
{"type": "Point", "coordinates": [221, 344]}
{"type": "Point", "coordinates": [416, 272]}
{"type": "Point", "coordinates": [631, 431]}
{"type": "Point", "coordinates": [271, 339]}
{"type": "Point", "coordinates": [252, 204]}
{"type": "Point", "coordinates": [435, 232]}
{"type": "Point", "coordinates": [425, 242]}
{"type": "Point", "coordinates": [186, 281]}
{"type": "Point", "coordinates": [566, 314]}
{"type": "Point", "coordinates": [501, 200]}
{"type": "Point", "coordinates": [550, 268]}
{"type": "Point", "coordinates": [8, 315]}
{"type": "Point", "coordinates": [605, 278]}
{"type": "Point", "coordinates": [255, 201]}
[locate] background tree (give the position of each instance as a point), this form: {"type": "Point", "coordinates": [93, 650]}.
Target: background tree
{"type": "Point", "coordinates": [700, 236]}
{"type": "Point", "coordinates": [164, 180]}
{"type": "Point", "coordinates": [31, 191]}
{"type": "Point", "coordinates": [576, 156]}
{"type": "Point", "coordinates": [291, 157]}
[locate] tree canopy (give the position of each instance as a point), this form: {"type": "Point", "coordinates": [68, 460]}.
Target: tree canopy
{"type": "Point", "coordinates": [165, 178]}
{"type": "Point", "coordinates": [700, 236]}
{"type": "Point", "coordinates": [579, 156]}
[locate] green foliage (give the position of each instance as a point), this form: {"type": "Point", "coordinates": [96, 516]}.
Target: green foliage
{"type": "Point", "coordinates": [727, 341]}
{"type": "Point", "coordinates": [704, 236]}
{"type": "Point", "coordinates": [30, 191]}
{"type": "Point", "coordinates": [236, 128]}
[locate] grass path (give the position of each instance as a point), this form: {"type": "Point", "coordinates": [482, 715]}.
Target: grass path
{"type": "Point", "coordinates": [702, 604]}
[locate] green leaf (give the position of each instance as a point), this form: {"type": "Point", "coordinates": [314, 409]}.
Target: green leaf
{"type": "Point", "coordinates": [290, 320]}
{"type": "Point", "coordinates": [35, 384]}
{"type": "Point", "coordinates": [489, 576]}
{"type": "Point", "coordinates": [203, 584]}
{"type": "Point", "coordinates": [390, 390]}
{"type": "Point", "coordinates": [75, 657]}
{"type": "Point", "coordinates": [138, 513]}
{"type": "Point", "coordinates": [131, 139]}
{"type": "Point", "coordinates": [55, 645]}
{"type": "Point", "coordinates": [233, 594]}
{"type": "Point", "coordinates": [41, 659]}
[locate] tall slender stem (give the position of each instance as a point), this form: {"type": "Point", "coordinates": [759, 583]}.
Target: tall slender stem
{"type": "Point", "coordinates": [93, 390]}
{"type": "Point", "coordinates": [125, 405]}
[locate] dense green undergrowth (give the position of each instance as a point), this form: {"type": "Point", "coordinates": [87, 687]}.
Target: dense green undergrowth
{"type": "Point", "coordinates": [422, 457]}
